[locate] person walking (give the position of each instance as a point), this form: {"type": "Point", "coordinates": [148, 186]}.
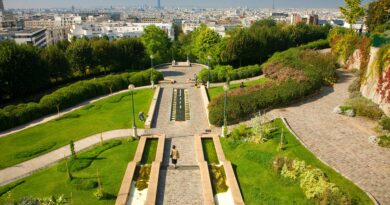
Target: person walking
{"type": "Point", "coordinates": [174, 156]}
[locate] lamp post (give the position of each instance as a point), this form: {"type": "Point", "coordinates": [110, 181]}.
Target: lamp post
{"type": "Point", "coordinates": [208, 80]}
{"type": "Point", "coordinates": [131, 88]}
{"type": "Point", "coordinates": [224, 128]}
{"type": "Point", "coordinates": [151, 71]}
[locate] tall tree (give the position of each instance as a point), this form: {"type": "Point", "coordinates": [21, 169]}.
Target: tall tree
{"type": "Point", "coordinates": [57, 64]}
{"type": "Point", "coordinates": [80, 56]}
{"type": "Point", "coordinates": [129, 53]}
{"type": "Point", "coordinates": [378, 13]}
{"type": "Point", "coordinates": [204, 42]}
{"type": "Point", "coordinates": [102, 53]}
{"type": "Point", "coordinates": [352, 11]}
{"type": "Point", "coordinates": [157, 43]}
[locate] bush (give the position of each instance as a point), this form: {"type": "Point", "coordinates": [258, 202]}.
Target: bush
{"type": "Point", "coordinates": [318, 69]}
{"type": "Point", "coordinates": [14, 115]}
{"type": "Point", "coordinates": [365, 108]}
{"type": "Point", "coordinates": [385, 123]}
{"type": "Point", "coordinates": [384, 141]}
{"type": "Point", "coordinates": [317, 45]}
{"type": "Point", "coordinates": [227, 73]}
{"type": "Point", "coordinates": [354, 86]}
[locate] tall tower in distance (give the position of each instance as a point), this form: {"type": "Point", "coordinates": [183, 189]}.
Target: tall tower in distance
{"type": "Point", "coordinates": [158, 4]}
{"type": "Point", "coordinates": [1, 5]}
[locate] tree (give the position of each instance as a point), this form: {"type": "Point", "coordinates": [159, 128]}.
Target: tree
{"type": "Point", "coordinates": [378, 13]}
{"type": "Point", "coordinates": [102, 53]}
{"type": "Point", "coordinates": [80, 56]}
{"type": "Point", "coordinates": [129, 53]}
{"type": "Point", "coordinates": [72, 150]}
{"type": "Point", "coordinates": [204, 41]}
{"type": "Point", "coordinates": [352, 11]}
{"type": "Point", "coordinates": [57, 64]}
{"type": "Point", "coordinates": [157, 43]}
{"type": "Point", "coordinates": [22, 71]}
{"type": "Point", "coordinates": [239, 46]}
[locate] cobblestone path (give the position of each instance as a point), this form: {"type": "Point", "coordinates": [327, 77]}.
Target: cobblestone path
{"type": "Point", "coordinates": [340, 141]}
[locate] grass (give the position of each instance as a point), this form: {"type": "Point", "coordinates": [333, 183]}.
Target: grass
{"type": "Point", "coordinates": [209, 151]}
{"type": "Point", "coordinates": [150, 150]}
{"type": "Point", "coordinates": [215, 91]}
{"type": "Point", "coordinates": [261, 185]}
{"type": "Point", "coordinates": [50, 181]}
{"type": "Point", "coordinates": [384, 141]}
{"type": "Point", "coordinates": [108, 114]}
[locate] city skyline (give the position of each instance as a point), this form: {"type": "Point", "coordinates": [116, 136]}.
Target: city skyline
{"type": "Point", "coordinates": [23, 4]}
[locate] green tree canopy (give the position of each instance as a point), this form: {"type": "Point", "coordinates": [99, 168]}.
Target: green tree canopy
{"type": "Point", "coordinates": [378, 13]}
{"type": "Point", "coordinates": [157, 43]}
{"type": "Point", "coordinates": [80, 56]}
{"type": "Point", "coordinates": [57, 64]}
{"type": "Point", "coordinates": [352, 11]}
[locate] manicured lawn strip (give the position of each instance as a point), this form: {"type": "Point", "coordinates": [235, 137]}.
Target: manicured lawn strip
{"type": "Point", "coordinates": [111, 165]}
{"type": "Point", "coordinates": [215, 91]}
{"type": "Point", "coordinates": [209, 151]}
{"type": "Point", "coordinates": [150, 150]}
{"type": "Point", "coordinates": [108, 114]}
{"type": "Point", "coordinates": [261, 185]}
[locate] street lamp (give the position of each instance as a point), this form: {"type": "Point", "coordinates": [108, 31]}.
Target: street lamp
{"type": "Point", "coordinates": [224, 128]}
{"type": "Point", "coordinates": [131, 88]}
{"type": "Point", "coordinates": [151, 71]}
{"type": "Point", "coordinates": [208, 80]}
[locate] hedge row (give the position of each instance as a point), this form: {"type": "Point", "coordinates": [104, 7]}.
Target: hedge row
{"type": "Point", "coordinates": [296, 73]}
{"type": "Point", "coordinates": [224, 73]}
{"type": "Point", "coordinates": [14, 115]}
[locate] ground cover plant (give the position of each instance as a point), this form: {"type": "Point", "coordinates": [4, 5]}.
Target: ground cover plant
{"type": "Point", "coordinates": [260, 183]}
{"type": "Point", "coordinates": [108, 114]}
{"type": "Point", "coordinates": [81, 189]}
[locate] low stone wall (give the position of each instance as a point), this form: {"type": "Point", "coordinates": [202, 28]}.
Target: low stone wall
{"type": "Point", "coordinates": [125, 189]}
{"type": "Point", "coordinates": [204, 170]}
{"type": "Point", "coordinates": [152, 109]}
{"type": "Point", "coordinates": [206, 101]}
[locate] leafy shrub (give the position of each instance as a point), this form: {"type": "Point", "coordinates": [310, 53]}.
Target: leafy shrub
{"type": "Point", "coordinates": [354, 86]}
{"type": "Point", "coordinates": [84, 184]}
{"type": "Point", "coordinates": [318, 69]}
{"type": "Point", "coordinates": [35, 151]}
{"type": "Point", "coordinates": [385, 123]}
{"type": "Point", "coordinates": [316, 45]}
{"type": "Point", "coordinates": [262, 129]}
{"type": "Point", "coordinates": [365, 107]}
{"type": "Point", "coordinates": [295, 170]}
{"type": "Point", "coordinates": [142, 180]}
{"type": "Point", "coordinates": [343, 42]}
{"type": "Point", "coordinates": [227, 73]}
{"type": "Point", "coordinates": [279, 163]}
{"type": "Point", "coordinates": [240, 133]}
{"type": "Point", "coordinates": [14, 115]}
{"type": "Point", "coordinates": [384, 141]}
{"type": "Point", "coordinates": [218, 178]}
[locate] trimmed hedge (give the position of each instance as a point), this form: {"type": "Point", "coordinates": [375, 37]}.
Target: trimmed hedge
{"type": "Point", "coordinates": [224, 73]}
{"type": "Point", "coordinates": [287, 85]}
{"type": "Point", "coordinates": [14, 115]}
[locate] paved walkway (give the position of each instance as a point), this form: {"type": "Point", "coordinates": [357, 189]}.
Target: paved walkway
{"type": "Point", "coordinates": [340, 141]}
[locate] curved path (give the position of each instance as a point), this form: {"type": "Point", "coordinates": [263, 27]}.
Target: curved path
{"type": "Point", "coordinates": [340, 141]}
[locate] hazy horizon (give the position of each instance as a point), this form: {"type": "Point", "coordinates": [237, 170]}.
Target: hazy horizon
{"type": "Point", "coordinates": [23, 4]}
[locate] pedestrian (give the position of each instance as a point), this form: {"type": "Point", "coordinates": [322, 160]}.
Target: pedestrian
{"type": "Point", "coordinates": [174, 156]}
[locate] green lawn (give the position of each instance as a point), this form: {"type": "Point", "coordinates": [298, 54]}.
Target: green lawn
{"type": "Point", "coordinates": [149, 154]}
{"type": "Point", "coordinates": [111, 165]}
{"type": "Point", "coordinates": [108, 114]}
{"type": "Point", "coordinates": [261, 185]}
{"type": "Point", "coordinates": [215, 91]}
{"type": "Point", "coordinates": [209, 151]}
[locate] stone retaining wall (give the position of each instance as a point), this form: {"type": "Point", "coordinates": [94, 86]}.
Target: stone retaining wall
{"type": "Point", "coordinates": [152, 109]}
{"type": "Point", "coordinates": [206, 101]}
{"type": "Point", "coordinates": [231, 180]}
{"type": "Point", "coordinates": [125, 189]}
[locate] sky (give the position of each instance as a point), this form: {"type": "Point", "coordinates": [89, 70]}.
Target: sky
{"type": "Point", "coordinates": [174, 3]}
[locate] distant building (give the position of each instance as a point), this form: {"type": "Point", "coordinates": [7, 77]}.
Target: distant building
{"type": "Point", "coordinates": [36, 37]}
{"type": "Point", "coordinates": [158, 4]}
{"type": "Point", "coordinates": [279, 16]}
{"type": "Point", "coordinates": [116, 30]}
{"type": "Point", "coordinates": [1, 5]}
{"type": "Point", "coordinates": [295, 19]}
